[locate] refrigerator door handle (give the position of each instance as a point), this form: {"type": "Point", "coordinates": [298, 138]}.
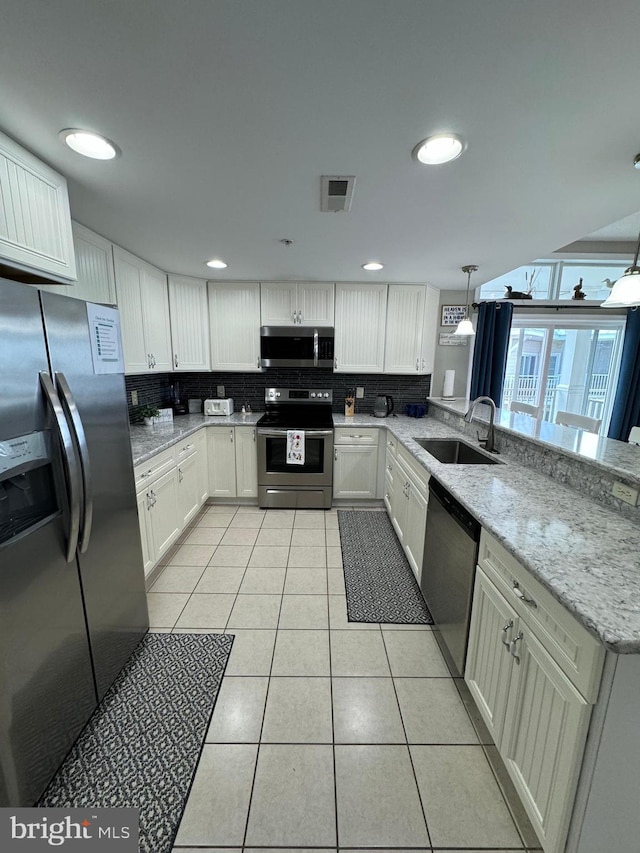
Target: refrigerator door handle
{"type": "Point", "coordinates": [70, 461]}
{"type": "Point", "coordinates": [75, 421]}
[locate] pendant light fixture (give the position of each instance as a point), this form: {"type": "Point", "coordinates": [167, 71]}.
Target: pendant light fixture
{"type": "Point", "coordinates": [626, 291]}
{"type": "Point", "coordinates": [465, 327]}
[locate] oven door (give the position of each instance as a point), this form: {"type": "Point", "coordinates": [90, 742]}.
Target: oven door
{"type": "Point", "coordinates": [273, 469]}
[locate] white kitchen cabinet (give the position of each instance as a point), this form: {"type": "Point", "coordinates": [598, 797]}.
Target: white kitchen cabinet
{"type": "Point", "coordinates": [410, 329]}
{"type": "Point", "coordinates": [35, 219]}
{"type": "Point", "coordinates": [289, 303]}
{"type": "Point", "coordinates": [189, 319]}
{"type": "Point", "coordinates": [200, 441]}
{"type": "Point", "coordinates": [234, 318]}
{"type": "Point", "coordinates": [94, 268]}
{"type": "Point", "coordinates": [221, 453]}
{"type": "Point", "coordinates": [407, 505]}
{"type": "Point", "coordinates": [355, 463]}
{"type": "Point", "coordinates": [164, 514]}
{"type": "Point", "coordinates": [525, 659]}
{"type": "Point", "coordinates": [144, 503]}
{"type": "Point", "coordinates": [188, 488]}
{"type": "Point", "coordinates": [143, 303]}
{"type": "Point", "coordinates": [246, 462]}
{"type": "Point", "coordinates": [360, 320]}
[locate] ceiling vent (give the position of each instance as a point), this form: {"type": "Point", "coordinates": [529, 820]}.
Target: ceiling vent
{"type": "Point", "coordinates": [336, 192]}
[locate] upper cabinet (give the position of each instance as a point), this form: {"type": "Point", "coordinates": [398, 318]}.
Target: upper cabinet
{"type": "Point", "coordinates": [360, 328]}
{"type": "Point", "coordinates": [412, 316]}
{"type": "Point", "coordinates": [189, 323]}
{"type": "Point", "coordinates": [143, 302]}
{"type": "Point", "coordinates": [234, 319]}
{"type": "Point", "coordinates": [35, 221]}
{"type": "Point", "coordinates": [94, 267]}
{"type": "Point", "coordinates": [289, 303]}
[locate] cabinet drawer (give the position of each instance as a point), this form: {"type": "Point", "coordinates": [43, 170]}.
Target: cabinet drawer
{"type": "Point", "coordinates": [578, 654]}
{"type": "Point", "coordinates": [419, 474]}
{"type": "Point", "coordinates": [346, 435]}
{"type": "Point", "coordinates": [186, 448]}
{"type": "Point", "coordinates": [147, 472]}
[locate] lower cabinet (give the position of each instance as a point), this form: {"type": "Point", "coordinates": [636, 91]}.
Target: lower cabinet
{"type": "Point", "coordinates": [169, 491]}
{"type": "Point", "coordinates": [158, 515]}
{"type": "Point", "coordinates": [355, 463]}
{"type": "Point", "coordinates": [233, 462]}
{"type": "Point", "coordinates": [246, 462]}
{"type": "Point", "coordinates": [525, 655]}
{"type": "Point", "coordinates": [406, 498]}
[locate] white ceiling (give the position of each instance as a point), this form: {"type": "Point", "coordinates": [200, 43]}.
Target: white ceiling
{"type": "Point", "coordinates": [228, 112]}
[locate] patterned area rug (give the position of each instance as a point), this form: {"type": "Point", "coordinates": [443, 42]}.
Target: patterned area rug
{"type": "Point", "coordinates": [141, 746]}
{"type": "Point", "coordinates": [381, 586]}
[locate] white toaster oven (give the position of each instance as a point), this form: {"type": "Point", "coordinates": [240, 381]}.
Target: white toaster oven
{"type": "Point", "coordinates": [218, 407]}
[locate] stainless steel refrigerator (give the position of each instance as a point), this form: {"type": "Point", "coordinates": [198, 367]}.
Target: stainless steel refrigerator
{"type": "Point", "coordinates": [72, 594]}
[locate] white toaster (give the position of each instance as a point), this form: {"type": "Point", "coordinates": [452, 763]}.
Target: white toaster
{"type": "Point", "coordinates": [219, 407]}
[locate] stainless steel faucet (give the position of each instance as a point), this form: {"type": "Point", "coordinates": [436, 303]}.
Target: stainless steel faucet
{"type": "Point", "coordinates": [489, 443]}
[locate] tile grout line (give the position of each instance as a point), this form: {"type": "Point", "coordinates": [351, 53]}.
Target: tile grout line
{"type": "Point", "coordinates": [266, 699]}
{"type": "Point", "coordinates": [404, 729]}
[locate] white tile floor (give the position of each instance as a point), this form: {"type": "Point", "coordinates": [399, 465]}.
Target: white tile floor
{"type": "Point", "coordinates": [327, 734]}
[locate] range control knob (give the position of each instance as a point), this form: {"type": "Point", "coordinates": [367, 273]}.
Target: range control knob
{"type": "Point", "coordinates": [277, 393]}
{"type": "Point", "coordinates": [313, 393]}
{"type": "Point", "coordinates": [326, 393]}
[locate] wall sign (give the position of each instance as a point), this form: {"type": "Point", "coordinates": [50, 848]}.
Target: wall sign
{"type": "Point", "coordinates": [451, 340]}
{"type": "Point", "coordinates": [452, 314]}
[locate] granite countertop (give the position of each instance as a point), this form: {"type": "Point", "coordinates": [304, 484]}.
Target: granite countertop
{"type": "Point", "coordinates": [147, 441]}
{"type": "Point", "coordinates": [586, 555]}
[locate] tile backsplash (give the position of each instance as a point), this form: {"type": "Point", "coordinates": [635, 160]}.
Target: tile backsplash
{"type": "Point", "coordinates": [156, 389]}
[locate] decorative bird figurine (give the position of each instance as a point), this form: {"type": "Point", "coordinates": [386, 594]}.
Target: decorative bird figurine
{"type": "Point", "coordinates": [608, 282]}
{"type": "Point", "coordinates": [578, 292]}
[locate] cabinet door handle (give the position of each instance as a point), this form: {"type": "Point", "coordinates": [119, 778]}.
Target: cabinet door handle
{"type": "Point", "coordinates": [335, 363]}
{"type": "Point", "coordinates": [504, 639]}
{"type": "Point", "coordinates": [335, 454]}
{"type": "Point", "coordinates": [254, 435]}
{"type": "Point", "coordinates": [513, 646]}
{"type": "Point", "coordinates": [175, 360]}
{"type": "Point", "coordinates": [149, 360]}
{"type": "Point", "coordinates": [423, 363]}
{"type": "Point", "coordinates": [520, 594]}
{"type": "Point", "coordinates": [417, 364]}
{"type": "Point", "coordinates": [299, 317]}
{"type": "Point", "coordinates": [180, 475]}
{"type": "Point", "coordinates": [149, 501]}
{"type": "Point", "coordinates": [295, 320]}
{"type": "Point", "coordinates": [231, 436]}
{"type": "Point", "coordinates": [389, 468]}
{"type": "Point", "coordinates": [257, 362]}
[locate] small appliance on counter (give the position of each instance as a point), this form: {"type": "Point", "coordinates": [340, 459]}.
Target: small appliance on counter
{"type": "Point", "coordinates": [179, 406]}
{"type": "Point", "coordinates": [219, 407]}
{"type": "Point", "coordinates": [383, 406]}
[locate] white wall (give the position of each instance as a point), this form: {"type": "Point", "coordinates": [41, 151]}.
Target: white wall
{"type": "Point", "coordinates": [451, 358]}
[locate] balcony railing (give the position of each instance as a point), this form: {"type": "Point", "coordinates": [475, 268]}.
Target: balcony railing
{"type": "Point", "coordinates": [524, 389]}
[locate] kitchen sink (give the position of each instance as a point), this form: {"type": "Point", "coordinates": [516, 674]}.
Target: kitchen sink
{"type": "Point", "coordinates": [454, 452]}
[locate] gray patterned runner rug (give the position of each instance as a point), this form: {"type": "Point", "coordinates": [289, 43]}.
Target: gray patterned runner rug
{"type": "Point", "coordinates": [141, 746]}
{"type": "Point", "coordinates": [380, 583]}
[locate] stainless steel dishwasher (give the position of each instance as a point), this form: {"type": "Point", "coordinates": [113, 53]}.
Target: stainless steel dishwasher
{"type": "Point", "coordinates": [448, 570]}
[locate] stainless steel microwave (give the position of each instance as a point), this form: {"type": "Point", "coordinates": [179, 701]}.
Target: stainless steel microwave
{"type": "Point", "coordinates": [296, 346]}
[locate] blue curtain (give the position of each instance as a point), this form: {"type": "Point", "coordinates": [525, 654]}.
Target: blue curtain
{"type": "Point", "coordinates": [626, 408]}
{"type": "Point", "coordinates": [490, 353]}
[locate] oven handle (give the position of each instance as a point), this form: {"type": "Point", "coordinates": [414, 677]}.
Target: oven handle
{"type": "Point", "coordinates": [278, 433]}
{"type": "Point", "coordinates": [315, 347]}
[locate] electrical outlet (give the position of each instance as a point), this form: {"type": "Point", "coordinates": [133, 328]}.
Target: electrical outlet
{"type": "Point", "coordinates": [359, 393]}
{"type": "Point", "coordinates": [220, 390]}
{"type": "Point", "coordinates": [626, 493]}
{"type": "Point", "coordinates": [134, 398]}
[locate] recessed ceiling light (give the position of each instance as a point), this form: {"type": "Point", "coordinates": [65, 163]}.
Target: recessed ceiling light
{"type": "Point", "coordinates": [89, 144]}
{"type": "Point", "coordinates": [372, 266]}
{"type": "Point", "coordinates": [441, 148]}
{"type": "Point", "coordinates": [217, 264]}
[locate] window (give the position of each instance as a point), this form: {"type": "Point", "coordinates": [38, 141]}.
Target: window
{"type": "Point", "coordinates": [556, 279]}
{"type": "Point", "coordinates": [564, 364]}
